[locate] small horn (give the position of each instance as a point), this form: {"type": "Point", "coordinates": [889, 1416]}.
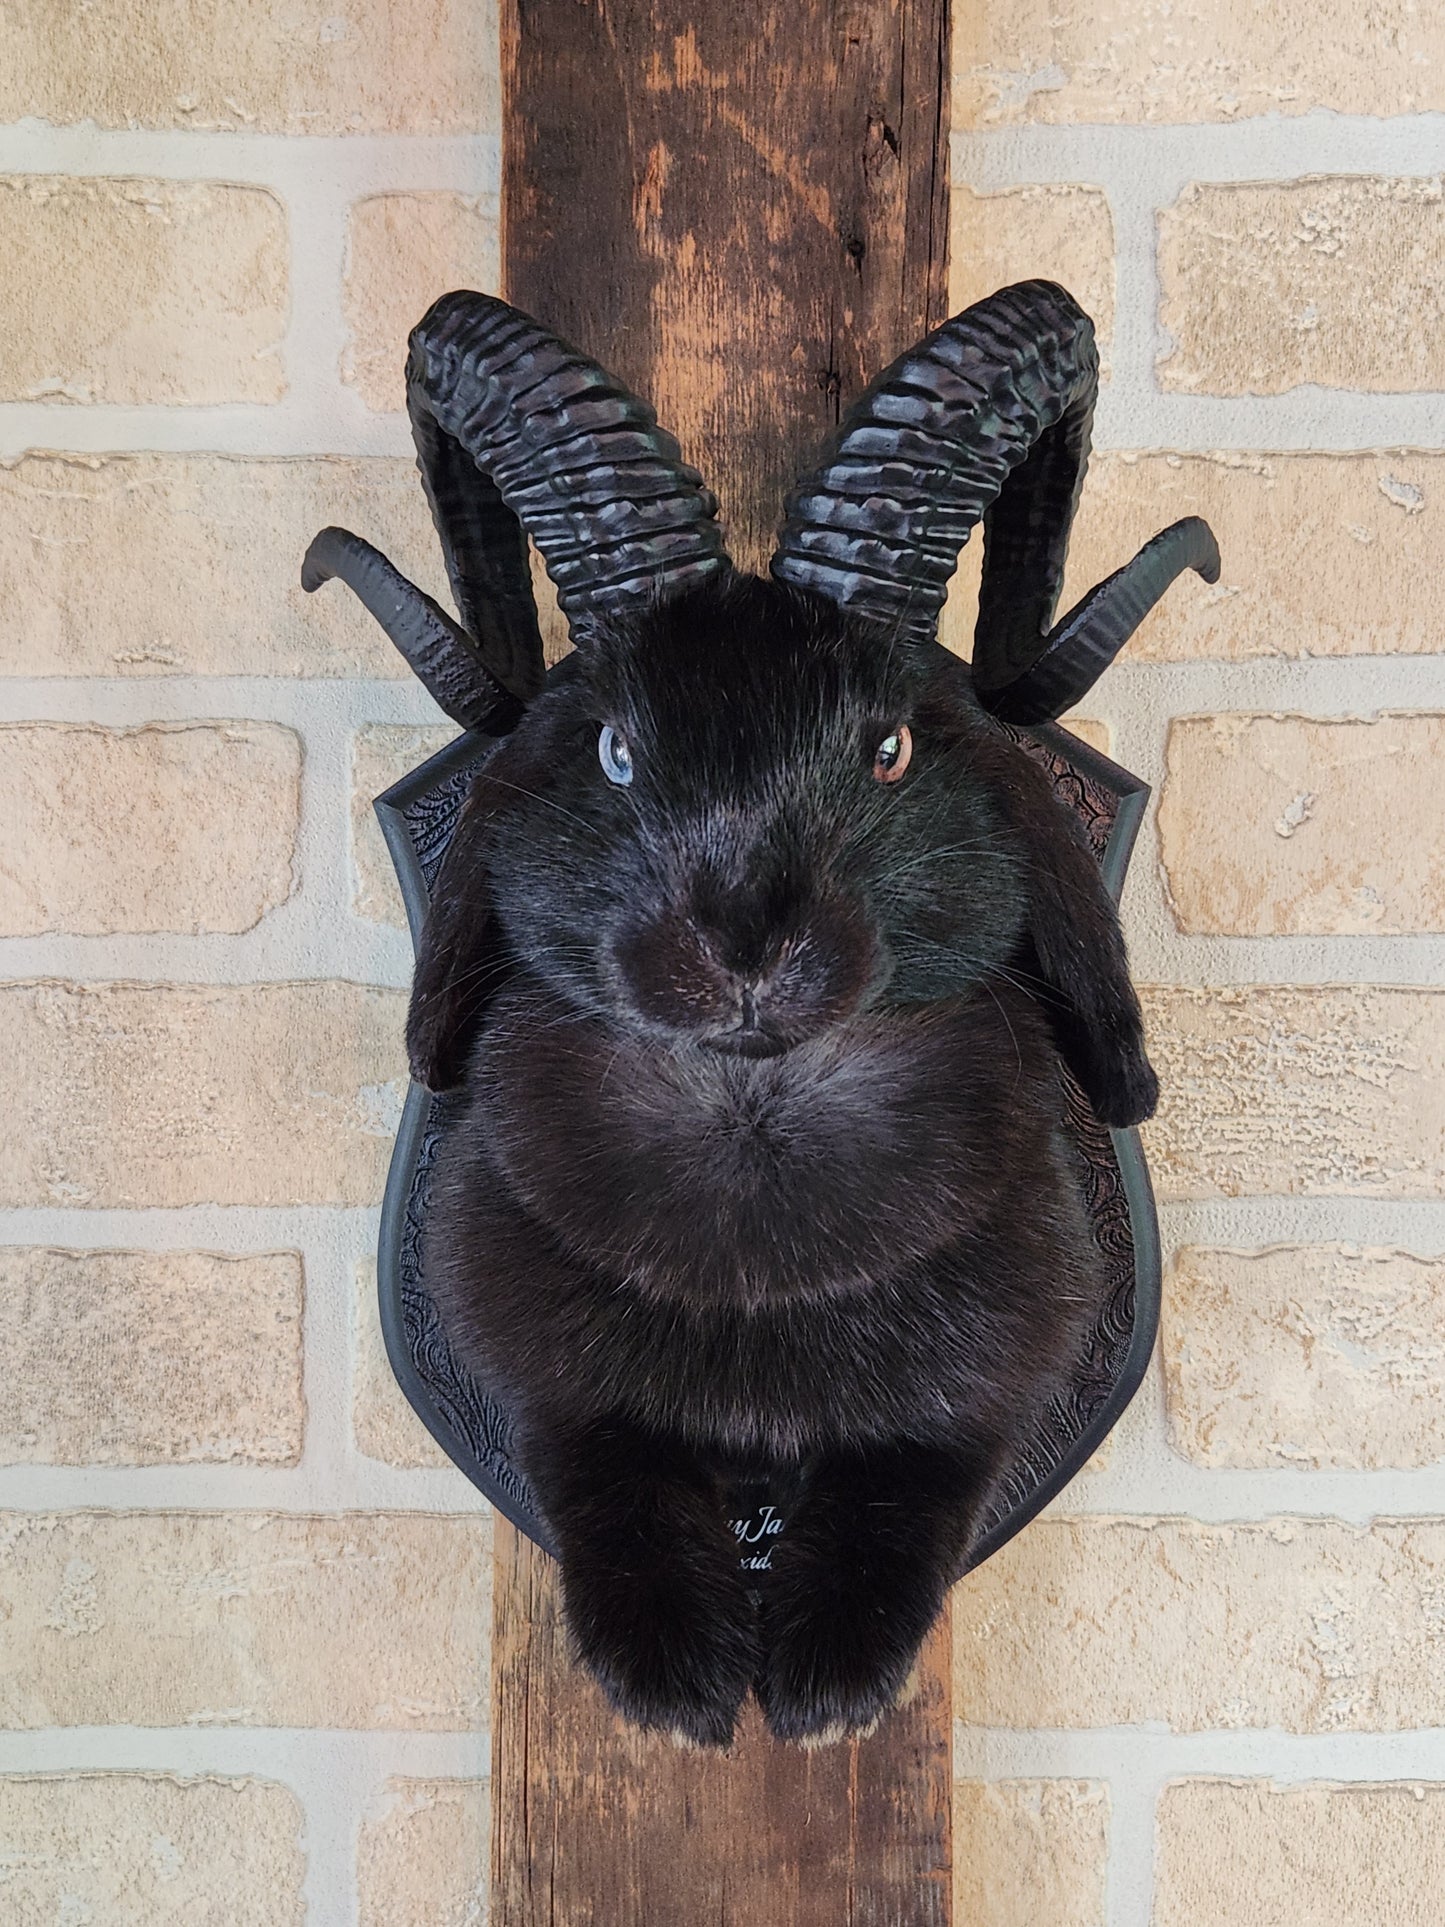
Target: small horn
{"type": "Point", "coordinates": [1080, 647]}
{"type": "Point", "coordinates": [442, 654]}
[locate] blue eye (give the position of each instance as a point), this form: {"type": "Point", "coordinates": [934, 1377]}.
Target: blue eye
{"type": "Point", "coordinates": [614, 756]}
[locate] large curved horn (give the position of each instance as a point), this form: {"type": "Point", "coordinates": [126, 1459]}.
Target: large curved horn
{"type": "Point", "coordinates": [563, 450]}
{"type": "Point", "coordinates": [441, 653]}
{"type": "Point", "coordinates": [987, 419]}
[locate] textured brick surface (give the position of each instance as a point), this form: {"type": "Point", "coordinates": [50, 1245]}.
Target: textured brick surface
{"type": "Point", "coordinates": [147, 1849]}
{"type": "Point", "coordinates": [1256, 1854]}
{"type": "Point", "coordinates": [1323, 555]}
{"type": "Point", "coordinates": [309, 67]}
{"type": "Point", "coordinates": [190, 306]}
{"type": "Point", "coordinates": [1309, 1625]}
{"type": "Point", "coordinates": [1306, 1355]}
{"type": "Point", "coordinates": [1096, 734]}
{"type": "Point", "coordinates": [1026, 1852]}
{"type": "Point", "coordinates": [244, 1619]}
{"type": "Point", "coordinates": [189, 565]}
{"type": "Point", "coordinates": [384, 1425]}
{"type": "Point", "coordinates": [162, 1094]}
{"type": "Point", "coordinates": [174, 826]}
{"type": "Point", "coordinates": [1192, 60]}
{"type": "Point", "coordinates": [1063, 234]}
{"type": "Point", "coordinates": [1332, 1090]}
{"type": "Point", "coordinates": [404, 251]}
{"type": "Point", "coordinates": [1293, 825]}
{"type": "Point", "coordinates": [424, 1855]}
{"type": "Point", "coordinates": [150, 1357]}
{"type": "Point", "coordinates": [381, 754]}
{"type": "Point", "coordinates": [1334, 280]}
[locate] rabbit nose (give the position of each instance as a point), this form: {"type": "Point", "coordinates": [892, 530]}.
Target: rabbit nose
{"type": "Point", "coordinates": [746, 927]}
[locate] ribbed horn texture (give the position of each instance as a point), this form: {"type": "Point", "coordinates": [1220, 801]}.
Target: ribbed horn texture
{"type": "Point", "coordinates": [1080, 647]}
{"type": "Point", "coordinates": [991, 412]}
{"type": "Point", "coordinates": [565, 449]}
{"type": "Point", "coordinates": [986, 420]}
{"type": "Point", "coordinates": [441, 653]}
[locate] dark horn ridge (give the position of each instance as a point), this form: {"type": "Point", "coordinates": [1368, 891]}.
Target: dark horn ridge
{"type": "Point", "coordinates": [924, 452]}
{"type": "Point", "coordinates": [987, 419]}
{"type": "Point", "coordinates": [442, 654]}
{"type": "Point", "coordinates": [564, 451]}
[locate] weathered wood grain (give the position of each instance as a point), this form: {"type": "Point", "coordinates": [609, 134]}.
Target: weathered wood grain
{"type": "Point", "coordinates": [743, 211]}
{"type": "Point", "coordinates": [597, 1825]}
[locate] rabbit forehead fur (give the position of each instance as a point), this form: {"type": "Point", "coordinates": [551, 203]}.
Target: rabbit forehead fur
{"type": "Point", "coordinates": [754, 850]}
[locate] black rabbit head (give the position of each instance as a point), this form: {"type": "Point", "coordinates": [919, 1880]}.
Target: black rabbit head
{"type": "Point", "coordinates": [742, 817]}
{"type": "Point", "coordinates": [745, 811]}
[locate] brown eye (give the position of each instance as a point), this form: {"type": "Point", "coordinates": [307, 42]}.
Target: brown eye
{"type": "Point", "coordinates": [892, 756]}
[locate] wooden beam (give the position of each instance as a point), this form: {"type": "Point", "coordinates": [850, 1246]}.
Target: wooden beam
{"type": "Point", "coordinates": [597, 1825]}
{"type": "Point", "coordinates": [742, 211]}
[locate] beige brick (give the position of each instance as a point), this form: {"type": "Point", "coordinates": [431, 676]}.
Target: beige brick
{"type": "Point", "coordinates": [349, 1619]}
{"type": "Point", "coordinates": [169, 1094]}
{"type": "Point", "coordinates": [424, 1855]}
{"type": "Point", "coordinates": [86, 542]}
{"type": "Point", "coordinates": [1063, 234]}
{"type": "Point", "coordinates": [1305, 1624]}
{"type": "Point", "coordinates": [383, 1423]}
{"type": "Point", "coordinates": [142, 291]}
{"type": "Point", "coordinates": [1257, 1854]}
{"type": "Point", "coordinates": [404, 251]}
{"type": "Point", "coordinates": [1275, 826]}
{"type": "Point", "coordinates": [1333, 280]}
{"type": "Point", "coordinates": [150, 1357]}
{"type": "Point", "coordinates": [1097, 735]}
{"type": "Point", "coordinates": [1336, 1090]}
{"type": "Point", "coordinates": [381, 754]}
{"type": "Point", "coordinates": [172, 826]}
{"type": "Point", "coordinates": [1313, 1355]}
{"type": "Point", "coordinates": [306, 68]}
{"type": "Point", "coordinates": [1029, 1851]}
{"type": "Point", "coordinates": [1192, 60]}
{"type": "Point", "coordinates": [1323, 555]}
{"type": "Point", "coordinates": [144, 1849]}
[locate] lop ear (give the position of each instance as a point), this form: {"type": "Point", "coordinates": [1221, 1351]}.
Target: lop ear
{"type": "Point", "coordinates": [461, 960]}
{"type": "Point", "coordinates": [1078, 952]}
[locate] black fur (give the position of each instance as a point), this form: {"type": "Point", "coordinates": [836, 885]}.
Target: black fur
{"type": "Point", "coordinates": [761, 1164]}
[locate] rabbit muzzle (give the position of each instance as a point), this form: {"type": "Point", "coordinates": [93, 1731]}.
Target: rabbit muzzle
{"type": "Point", "coordinates": [748, 987]}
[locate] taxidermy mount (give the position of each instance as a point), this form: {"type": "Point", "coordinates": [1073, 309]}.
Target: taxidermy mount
{"type": "Point", "coordinates": [763, 963]}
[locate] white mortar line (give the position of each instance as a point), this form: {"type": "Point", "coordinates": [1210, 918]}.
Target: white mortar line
{"type": "Point", "coordinates": [1114, 1752]}
{"type": "Point", "coordinates": [1129, 1857]}
{"type": "Point", "coordinates": [1415, 1224]}
{"type": "Point", "coordinates": [1264, 147]}
{"type": "Point", "coordinates": [368, 163]}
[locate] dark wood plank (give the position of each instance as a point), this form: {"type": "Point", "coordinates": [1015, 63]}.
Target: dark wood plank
{"type": "Point", "coordinates": [597, 1825]}
{"type": "Point", "coordinates": [743, 212]}
{"type": "Point", "coordinates": [742, 209]}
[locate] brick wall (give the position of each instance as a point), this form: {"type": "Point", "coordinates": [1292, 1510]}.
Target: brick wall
{"type": "Point", "coordinates": [245, 1602]}
{"type": "Point", "coordinates": [1210, 1684]}
{"type": "Point", "coordinates": [244, 1666]}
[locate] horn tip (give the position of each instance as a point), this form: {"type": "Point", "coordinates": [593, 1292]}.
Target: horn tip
{"type": "Point", "coordinates": [316, 565]}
